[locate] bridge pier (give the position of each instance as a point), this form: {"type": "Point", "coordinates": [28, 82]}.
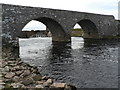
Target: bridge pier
{"type": "Point", "coordinates": [61, 39]}
{"type": "Point", "coordinates": [91, 36]}
{"type": "Point", "coordinates": [10, 48]}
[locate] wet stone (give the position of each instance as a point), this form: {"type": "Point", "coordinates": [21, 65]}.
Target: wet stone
{"type": "Point", "coordinates": [15, 78]}
{"type": "Point", "coordinates": [40, 82]}
{"type": "Point", "coordinates": [1, 82]}
{"type": "Point", "coordinates": [39, 86]}
{"type": "Point", "coordinates": [6, 69]}
{"type": "Point", "coordinates": [16, 85]}
{"type": "Point", "coordinates": [9, 75]}
{"type": "Point", "coordinates": [50, 81]}
{"type": "Point", "coordinates": [46, 84]}
{"type": "Point", "coordinates": [37, 77]}
{"type": "Point", "coordinates": [45, 78]}
{"type": "Point", "coordinates": [58, 85]}
{"type": "Point", "coordinates": [19, 72]}
{"type": "Point", "coordinates": [25, 73]}
{"type": "Point", "coordinates": [17, 68]}
{"type": "Point", "coordinates": [28, 81]}
{"type": "Point", "coordinates": [4, 64]}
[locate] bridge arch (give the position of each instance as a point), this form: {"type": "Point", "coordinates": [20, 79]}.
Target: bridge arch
{"type": "Point", "coordinates": [89, 27]}
{"type": "Point", "coordinates": [56, 29]}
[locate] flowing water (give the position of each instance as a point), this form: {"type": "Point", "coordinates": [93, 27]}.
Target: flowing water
{"type": "Point", "coordinates": [85, 64]}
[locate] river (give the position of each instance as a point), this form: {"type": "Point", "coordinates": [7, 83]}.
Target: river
{"type": "Point", "coordinates": [85, 64]}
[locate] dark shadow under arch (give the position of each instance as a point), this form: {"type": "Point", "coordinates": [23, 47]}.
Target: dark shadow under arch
{"type": "Point", "coordinates": [55, 28]}
{"type": "Point", "coordinates": [89, 28]}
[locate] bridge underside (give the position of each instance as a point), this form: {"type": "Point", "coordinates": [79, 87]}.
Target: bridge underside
{"type": "Point", "coordinates": [13, 18]}
{"type": "Point", "coordinates": [89, 28]}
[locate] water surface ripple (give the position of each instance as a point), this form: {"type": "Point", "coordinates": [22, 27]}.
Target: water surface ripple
{"type": "Point", "coordinates": [85, 64]}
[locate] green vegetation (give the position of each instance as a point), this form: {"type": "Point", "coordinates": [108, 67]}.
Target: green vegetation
{"type": "Point", "coordinates": [77, 32]}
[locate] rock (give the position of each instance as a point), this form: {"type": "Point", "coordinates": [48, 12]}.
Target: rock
{"type": "Point", "coordinates": [58, 85]}
{"type": "Point", "coordinates": [28, 81]}
{"type": "Point", "coordinates": [25, 73]}
{"type": "Point", "coordinates": [11, 62]}
{"type": "Point", "coordinates": [1, 82]}
{"type": "Point", "coordinates": [19, 62]}
{"type": "Point", "coordinates": [39, 86]}
{"type": "Point", "coordinates": [6, 69]}
{"type": "Point", "coordinates": [17, 85]}
{"type": "Point", "coordinates": [40, 82]}
{"type": "Point", "coordinates": [7, 80]}
{"type": "Point", "coordinates": [17, 68]}
{"type": "Point", "coordinates": [70, 87]}
{"type": "Point", "coordinates": [21, 67]}
{"type": "Point", "coordinates": [47, 83]}
{"type": "Point", "coordinates": [15, 78]}
{"type": "Point", "coordinates": [37, 77]}
{"type": "Point", "coordinates": [45, 78]}
{"type": "Point", "coordinates": [1, 87]}
{"type": "Point", "coordinates": [12, 69]}
{"type": "Point", "coordinates": [50, 81]}
{"type": "Point", "coordinates": [1, 75]}
{"type": "Point", "coordinates": [34, 71]}
{"type": "Point", "coordinates": [27, 76]}
{"type": "Point", "coordinates": [9, 75]}
{"type": "Point", "coordinates": [19, 72]}
{"type": "Point", "coordinates": [4, 63]}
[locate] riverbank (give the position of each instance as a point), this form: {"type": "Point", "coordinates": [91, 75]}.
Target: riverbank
{"type": "Point", "coordinates": [77, 33]}
{"type": "Point", "coordinates": [17, 74]}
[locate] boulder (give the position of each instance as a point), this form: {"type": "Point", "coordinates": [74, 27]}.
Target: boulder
{"type": "Point", "coordinates": [17, 68]}
{"type": "Point", "coordinates": [25, 73]}
{"type": "Point", "coordinates": [39, 86]}
{"type": "Point", "coordinates": [10, 75]}
{"type": "Point", "coordinates": [58, 85]}
{"type": "Point", "coordinates": [40, 82]}
{"type": "Point", "coordinates": [19, 72]}
{"type": "Point", "coordinates": [37, 77]}
{"type": "Point", "coordinates": [28, 81]}
{"type": "Point", "coordinates": [15, 78]}
{"type": "Point", "coordinates": [17, 85]}
{"type": "Point", "coordinates": [6, 69]}
{"type": "Point", "coordinates": [50, 81]}
{"type": "Point", "coordinates": [70, 87]}
{"type": "Point", "coordinates": [45, 78]}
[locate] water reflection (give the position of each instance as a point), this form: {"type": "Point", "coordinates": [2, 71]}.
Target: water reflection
{"type": "Point", "coordinates": [60, 51]}
{"type": "Point", "coordinates": [85, 64]}
{"type": "Point", "coordinates": [59, 59]}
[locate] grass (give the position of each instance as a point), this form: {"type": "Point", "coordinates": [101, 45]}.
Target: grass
{"type": "Point", "coordinates": [77, 32]}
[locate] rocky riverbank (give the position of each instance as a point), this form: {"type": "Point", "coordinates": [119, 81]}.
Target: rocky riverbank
{"type": "Point", "coordinates": [17, 74]}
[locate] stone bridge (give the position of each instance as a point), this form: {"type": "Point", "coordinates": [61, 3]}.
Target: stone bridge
{"type": "Point", "coordinates": [13, 18]}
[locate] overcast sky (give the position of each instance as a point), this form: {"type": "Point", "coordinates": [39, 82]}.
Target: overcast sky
{"type": "Point", "coordinates": [108, 7]}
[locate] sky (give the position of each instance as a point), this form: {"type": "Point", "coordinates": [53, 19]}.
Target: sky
{"type": "Point", "coordinates": [106, 7]}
